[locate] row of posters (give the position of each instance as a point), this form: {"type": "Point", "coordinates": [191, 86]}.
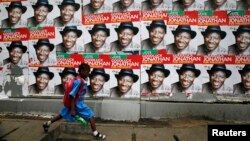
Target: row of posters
{"type": "Point", "coordinates": [151, 75]}
{"type": "Point", "coordinates": [60, 13]}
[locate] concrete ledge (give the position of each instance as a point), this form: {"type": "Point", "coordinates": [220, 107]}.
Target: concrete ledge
{"type": "Point", "coordinates": [215, 111]}
{"type": "Point", "coordinates": [132, 110]}
{"type": "Point", "coordinates": [118, 110]}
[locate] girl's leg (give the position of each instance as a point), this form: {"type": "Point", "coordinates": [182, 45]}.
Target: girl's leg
{"type": "Point", "coordinates": [48, 123]}
{"type": "Point", "coordinates": [96, 134]}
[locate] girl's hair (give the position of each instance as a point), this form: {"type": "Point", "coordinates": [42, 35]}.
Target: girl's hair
{"type": "Point", "coordinates": [83, 66]}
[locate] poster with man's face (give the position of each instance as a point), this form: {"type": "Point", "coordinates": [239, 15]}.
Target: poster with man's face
{"type": "Point", "coordinates": [96, 7]}
{"type": "Point", "coordinates": [214, 40]}
{"type": "Point", "coordinates": [42, 81]}
{"type": "Point", "coordinates": [69, 39]}
{"type": "Point", "coordinates": [220, 5]}
{"type": "Point", "coordinates": [14, 53]}
{"type": "Point", "coordinates": [156, 5]}
{"type": "Point", "coordinates": [99, 76]}
{"type": "Point", "coordinates": [97, 38]}
{"type": "Point", "coordinates": [41, 15]}
{"type": "Point", "coordinates": [188, 5]}
{"type": "Point", "coordinates": [125, 76]}
{"type": "Point", "coordinates": [218, 79]}
{"type": "Point", "coordinates": [42, 52]}
{"type": "Point", "coordinates": [67, 13]}
{"type": "Point", "coordinates": [126, 5]}
{"type": "Point", "coordinates": [14, 14]}
{"type": "Point", "coordinates": [126, 37]}
{"type": "Point", "coordinates": [241, 81]}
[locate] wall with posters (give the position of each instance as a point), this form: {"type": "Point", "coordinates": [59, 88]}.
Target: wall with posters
{"type": "Point", "coordinates": [165, 50]}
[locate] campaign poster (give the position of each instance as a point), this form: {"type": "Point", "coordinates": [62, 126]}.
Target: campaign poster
{"type": "Point", "coordinates": [162, 5]}
{"type": "Point", "coordinates": [183, 37]}
{"type": "Point", "coordinates": [188, 75]}
{"type": "Point", "coordinates": [154, 30]}
{"type": "Point", "coordinates": [224, 5]}
{"type": "Point", "coordinates": [180, 5]}
{"type": "Point", "coordinates": [69, 39]}
{"type": "Point", "coordinates": [98, 35]}
{"type": "Point", "coordinates": [126, 6]}
{"type": "Point", "coordinates": [155, 75]}
{"type": "Point", "coordinates": [219, 76]}
{"type": "Point", "coordinates": [14, 46]}
{"type": "Point", "coordinates": [99, 77]}
{"type": "Point", "coordinates": [39, 15]}
{"type": "Point", "coordinates": [42, 46]}
{"type": "Point", "coordinates": [65, 69]}
{"type": "Point", "coordinates": [42, 81]}
{"type": "Point", "coordinates": [125, 76]}
{"type": "Point", "coordinates": [216, 35]}
{"type": "Point", "coordinates": [60, 11]}
{"type": "Point", "coordinates": [241, 84]}
{"type": "Point", "coordinates": [91, 7]}
{"type": "Point", "coordinates": [126, 26]}
{"type": "Point", "coordinates": [239, 25]}
{"type": "Point", "coordinates": [19, 21]}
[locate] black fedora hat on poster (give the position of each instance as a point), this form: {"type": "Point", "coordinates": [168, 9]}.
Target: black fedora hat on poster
{"type": "Point", "coordinates": [190, 67]}
{"type": "Point", "coordinates": [127, 25]}
{"type": "Point", "coordinates": [184, 28]}
{"type": "Point", "coordinates": [98, 27]}
{"type": "Point", "coordinates": [220, 67]}
{"type": "Point", "coordinates": [216, 29]}
{"type": "Point", "coordinates": [69, 2]}
{"type": "Point", "coordinates": [68, 71]}
{"type": "Point", "coordinates": [99, 71]}
{"type": "Point", "coordinates": [16, 44]}
{"type": "Point", "coordinates": [18, 5]}
{"type": "Point", "coordinates": [71, 28]}
{"type": "Point", "coordinates": [125, 72]}
{"type": "Point", "coordinates": [45, 70]}
{"type": "Point", "coordinates": [160, 67]}
{"type": "Point", "coordinates": [43, 3]}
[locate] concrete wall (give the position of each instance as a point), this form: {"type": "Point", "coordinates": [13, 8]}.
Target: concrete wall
{"type": "Point", "coordinates": [127, 110]}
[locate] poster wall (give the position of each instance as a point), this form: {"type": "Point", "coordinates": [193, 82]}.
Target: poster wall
{"type": "Point", "coordinates": [168, 50]}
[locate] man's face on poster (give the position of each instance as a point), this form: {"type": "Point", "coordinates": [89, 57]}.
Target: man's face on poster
{"type": "Point", "coordinates": [217, 79]}
{"type": "Point", "coordinates": [66, 77]}
{"type": "Point", "coordinates": [186, 78]}
{"type": "Point", "coordinates": [155, 3]}
{"type": "Point", "coordinates": [67, 13]}
{"type": "Point", "coordinates": [245, 78]}
{"type": "Point", "coordinates": [182, 40]}
{"type": "Point", "coordinates": [14, 15]}
{"type": "Point", "coordinates": [219, 2]}
{"type": "Point", "coordinates": [42, 53]}
{"type": "Point", "coordinates": [96, 4]}
{"type": "Point", "coordinates": [69, 39]}
{"type": "Point", "coordinates": [243, 40]}
{"type": "Point", "coordinates": [42, 81]}
{"type": "Point", "coordinates": [97, 82]}
{"type": "Point", "coordinates": [187, 3]}
{"type": "Point", "coordinates": [15, 55]}
{"type": "Point", "coordinates": [212, 40]}
{"type": "Point", "coordinates": [126, 3]}
{"type": "Point", "coordinates": [99, 38]}
{"type": "Point", "coordinates": [156, 35]}
{"type": "Point", "coordinates": [125, 83]}
{"type": "Point", "coordinates": [156, 79]}
{"type": "Point", "coordinates": [41, 13]}
{"type": "Point", "coordinates": [125, 37]}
